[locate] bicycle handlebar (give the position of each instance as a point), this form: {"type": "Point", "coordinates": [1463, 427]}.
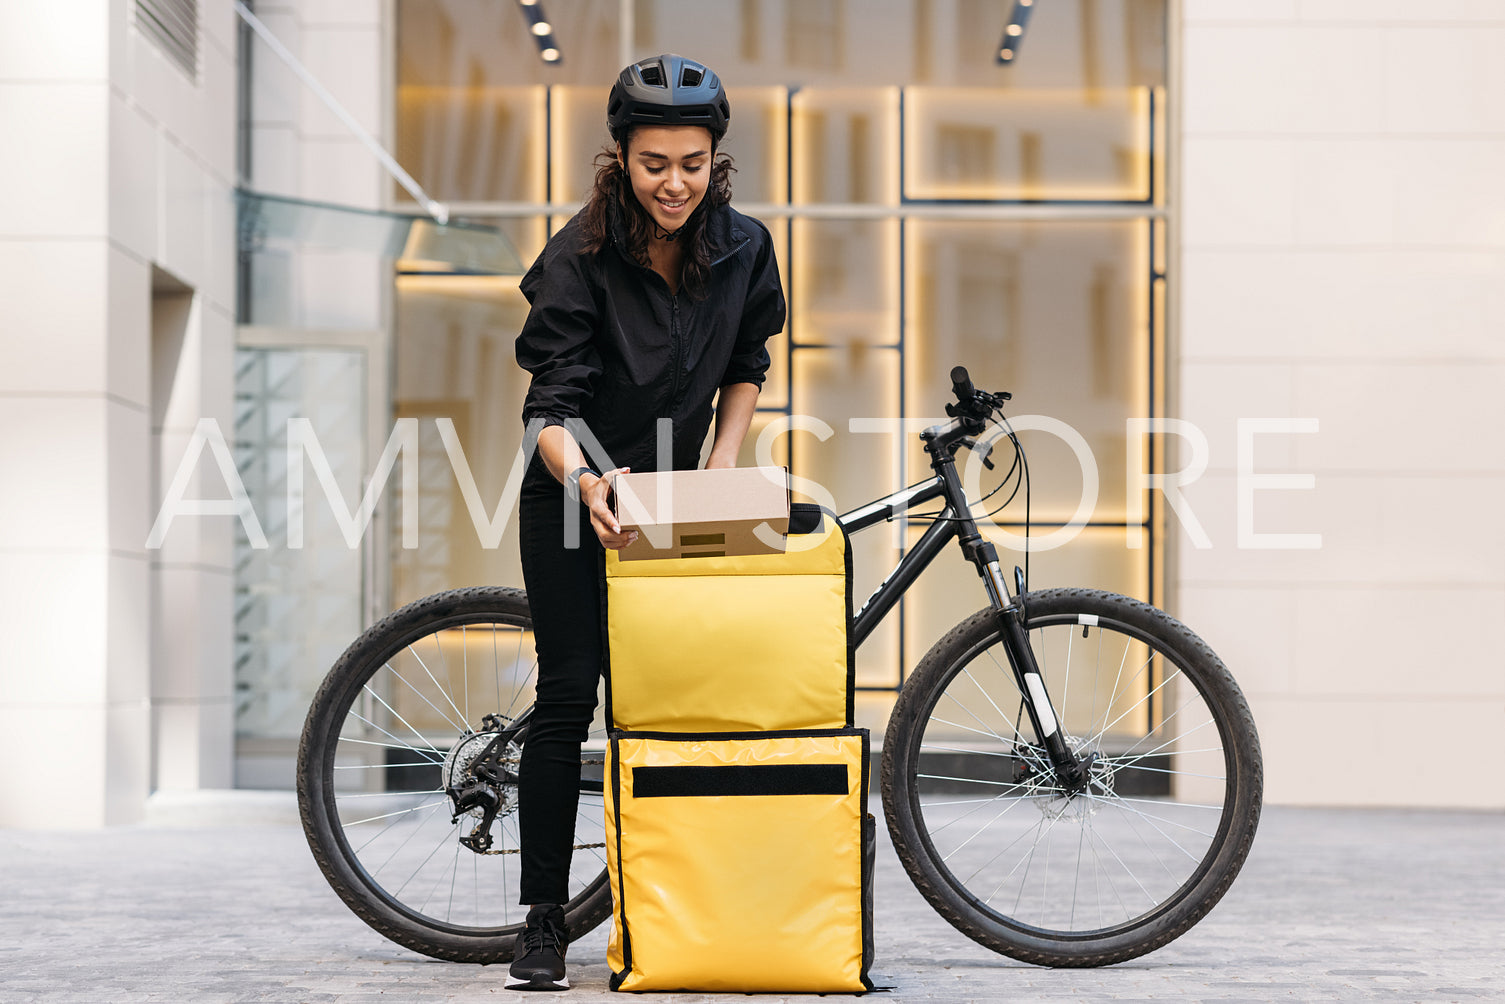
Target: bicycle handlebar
{"type": "Point", "coordinates": [961, 384]}
{"type": "Point", "coordinates": [973, 407]}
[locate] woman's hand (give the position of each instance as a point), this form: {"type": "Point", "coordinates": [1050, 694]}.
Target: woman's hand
{"type": "Point", "coordinates": [593, 495]}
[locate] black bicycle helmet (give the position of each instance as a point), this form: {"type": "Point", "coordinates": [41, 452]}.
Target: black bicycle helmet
{"type": "Point", "coordinates": [667, 90]}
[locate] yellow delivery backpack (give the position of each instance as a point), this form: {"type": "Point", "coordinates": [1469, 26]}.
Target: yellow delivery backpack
{"type": "Point", "coordinates": [731, 644]}
{"type": "Point", "coordinates": [740, 862]}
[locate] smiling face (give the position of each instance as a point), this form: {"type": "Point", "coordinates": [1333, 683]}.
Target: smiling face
{"type": "Point", "coordinates": [670, 169]}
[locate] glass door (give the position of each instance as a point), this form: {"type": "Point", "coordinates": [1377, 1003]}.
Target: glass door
{"type": "Point", "coordinates": [313, 402]}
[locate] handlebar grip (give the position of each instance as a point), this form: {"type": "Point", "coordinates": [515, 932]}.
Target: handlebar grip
{"type": "Point", "coordinates": [961, 383]}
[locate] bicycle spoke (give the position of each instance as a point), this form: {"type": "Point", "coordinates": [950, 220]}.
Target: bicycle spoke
{"type": "Point", "coordinates": [957, 749]}
{"type": "Point", "coordinates": [958, 725]}
{"type": "Point", "coordinates": [988, 697]}
{"type": "Point", "coordinates": [387, 815]}
{"type": "Point", "coordinates": [1113, 692]}
{"type": "Point", "coordinates": [389, 794]}
{"type": "Point", "coordinates": [389, 735]}
{"type": "Point", "coordinates": [454, 872]}
{"type": "Point", "coordinates": [517, 658]}
{"type": "Point", "coordinates": [496, 668]}
{"type": "Point", "coordinates": [1103, 859]}
{"type": "Point", "coordinates": [380, 766]}
{"type": "Point", "coordinates": [390, 746]}
{"type": "Point", "coordinates": [441, 714]}
{"type": "Point", "coordinates": [384, 829]}
{"type": "Point", "coordinates": [442, 839]}
{"type": "Point", "coordinates": [1147, 815]}
{"type": "Point", "coordinates": [437, 685]}
{"type": "Point", "coordinates": [404, 721]}
{"type": "Point", "coordinates": [1173, 842]}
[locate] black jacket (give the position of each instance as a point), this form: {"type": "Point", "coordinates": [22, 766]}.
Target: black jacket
{"type": "Point", "coordinates": [607, 343]}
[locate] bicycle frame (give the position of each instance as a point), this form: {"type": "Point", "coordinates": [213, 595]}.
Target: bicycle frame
{"type": "Point", "coordinates": [955, 522]}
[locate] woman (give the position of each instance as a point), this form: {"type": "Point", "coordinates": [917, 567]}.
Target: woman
{"type": "Point", "coordinates": [656, 296]}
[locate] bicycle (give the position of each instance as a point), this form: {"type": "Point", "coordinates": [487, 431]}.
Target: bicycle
{"type": "Point", "coordinates": [1060, 827]}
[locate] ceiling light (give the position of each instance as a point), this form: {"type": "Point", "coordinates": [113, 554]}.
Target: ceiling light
{"type": "Point", "coordinates": [1013, 32]}
{"type": "Point", "coordinates": [550, 55]}
{"type": "Point", "coordinates": [542, 28]}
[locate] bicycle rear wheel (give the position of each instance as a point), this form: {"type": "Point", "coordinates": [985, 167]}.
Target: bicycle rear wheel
{"type": "Point", "coordinates": [406, 713]}
{"type": "Point", "coordinates": [1018, 862]}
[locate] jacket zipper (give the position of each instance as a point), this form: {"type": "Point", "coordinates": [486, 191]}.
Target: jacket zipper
{"type": "Point", "coordinates": [674, 340]}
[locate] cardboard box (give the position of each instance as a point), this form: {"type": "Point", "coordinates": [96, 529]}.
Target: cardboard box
{"type": "Point", "coordinates": [709, 514]}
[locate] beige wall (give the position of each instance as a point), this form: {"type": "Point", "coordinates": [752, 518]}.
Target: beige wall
{"type": "Point", "coordinates": [1342, 258]}
{"type": "Point", "coordinates": [117, 284]}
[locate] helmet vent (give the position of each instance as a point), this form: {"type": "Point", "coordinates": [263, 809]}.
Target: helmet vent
{"type": "Point", "coordinates": [691, 77]}
{"type": "Point", "coordinates": [653, 75]}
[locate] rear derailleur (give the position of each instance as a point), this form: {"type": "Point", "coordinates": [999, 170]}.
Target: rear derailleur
{"type": "Point", "coordinates": [480, 778]}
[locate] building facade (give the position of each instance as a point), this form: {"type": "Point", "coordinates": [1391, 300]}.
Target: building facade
{"type": "Point", "coordinates": [1270, 227]}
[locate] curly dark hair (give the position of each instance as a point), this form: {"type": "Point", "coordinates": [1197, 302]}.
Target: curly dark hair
{"type": "Point", "coordinates": [613, 188]}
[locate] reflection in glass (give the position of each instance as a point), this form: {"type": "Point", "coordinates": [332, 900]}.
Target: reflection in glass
{"type": "Point", "coordinates": [844, 143]}
{"type": "Point", "coordinates": [950, 589]}
{"type": "Point", "coordinates": [1056, 313]}
{"type": "Point", "coordinates": [986, 143]}
{"type": "Point", "coordinates": [295, 609]}
{"type": "Point", "coordinates": [844, 291]}
{"type": "Point", "coordinates": [834, 386]}
{"type": "Point", "coordinates": [455, 361]}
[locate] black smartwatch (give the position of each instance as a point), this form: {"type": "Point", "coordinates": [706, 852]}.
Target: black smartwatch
{"type": "Point", "coordinates": [572, 482]}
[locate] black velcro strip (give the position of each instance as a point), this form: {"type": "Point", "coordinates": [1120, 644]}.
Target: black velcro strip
{"type": "Point", "coordinates": [756, 779]}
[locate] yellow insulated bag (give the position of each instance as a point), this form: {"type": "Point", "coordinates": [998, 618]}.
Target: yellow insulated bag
{"type": "Point", "coordinates": [733, 644]}
{"type": "Point", "coordinates": [748, 861]}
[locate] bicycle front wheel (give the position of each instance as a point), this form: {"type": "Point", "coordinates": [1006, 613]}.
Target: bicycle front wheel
{"type": "Point", "coordinates": [1031, 868]}
{"type": "Point", "coordinates": [434, 700]}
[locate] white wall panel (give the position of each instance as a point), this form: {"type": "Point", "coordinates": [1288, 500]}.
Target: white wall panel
{"type": "Point", "coordinates": [45, 321]}
{"type": "Point", "coordinates": [1293, 303]}
{"type": "Point", "coordinates": [30, 796]}
{"type": "Point", "coordinates": [180, 233]}
{"type": "Point", "coordinates": [1239, 191]}
{"type": "Point", "coordinates": [53, 41]}
{"type": "Point", "coordinates": [55, 474]}
{"type": "Point", "coordinates": [127, 349]}
{"type": "Point", "coordinates": [134, 178]}
{"type": "Point", "coordinates": [55, 650]}
{"type": "Point", "coordinates": [1215, 395]}
{"type": "Point", "coordinates": [1392, 528]}
{"type": "Point", "coordinates": [346, 59]}
{"type": "Point", "coordinates": [1434, 13]}
{"type": "Point", "coordinates": [1378, 739]}
{"type": "Point", "coordinates": [1428, 416]}
{"type": "Point", "coordinates": [1270, 79]}
{"type": "Point", "coordinates": [56, 186]}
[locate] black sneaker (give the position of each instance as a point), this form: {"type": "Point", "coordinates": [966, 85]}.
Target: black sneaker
{"type": "Point", "coordinates": [538, 957]}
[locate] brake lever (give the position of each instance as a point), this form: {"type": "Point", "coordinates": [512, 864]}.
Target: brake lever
{"type": "Point", "coordinates": [981, 449]}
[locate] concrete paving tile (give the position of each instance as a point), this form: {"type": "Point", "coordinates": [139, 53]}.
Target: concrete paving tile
{"type": "Point", "coordinates": [1333, 905]}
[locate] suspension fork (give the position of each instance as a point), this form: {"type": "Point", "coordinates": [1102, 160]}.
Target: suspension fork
{"type": "Point", "coordinates": [1010, 615]}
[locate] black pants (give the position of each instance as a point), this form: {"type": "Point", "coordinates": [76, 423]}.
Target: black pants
{"type": "Point", "coordinates": [564, 594]}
